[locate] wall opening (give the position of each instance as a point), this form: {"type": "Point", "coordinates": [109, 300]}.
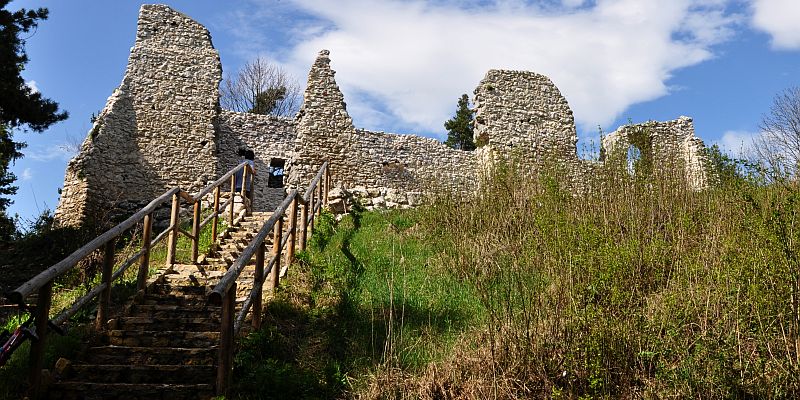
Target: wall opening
{"type": "Point", "coordinates": [276, 169]}
{"type": "Point", "coordinates": [633, 159]}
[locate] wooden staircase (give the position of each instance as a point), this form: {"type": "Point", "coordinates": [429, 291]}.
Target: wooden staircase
{"type": "Point", "coordinates": [165, 343]}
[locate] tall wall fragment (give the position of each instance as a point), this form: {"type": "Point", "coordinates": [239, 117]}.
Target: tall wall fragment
{"type": "Point", "coordinates": [157, 129]}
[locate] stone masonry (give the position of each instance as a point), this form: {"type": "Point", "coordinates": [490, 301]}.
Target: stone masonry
{"type": "Point", "coordinates": [163, 127]}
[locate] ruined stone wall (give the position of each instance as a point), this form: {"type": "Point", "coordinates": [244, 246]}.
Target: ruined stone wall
{"type": "Point", "coordinates": [163, 127]}
{"type": "Point", "coordinates": [372, 163]}
{"type": "Point", "coordinates": [670, 146]}
{"type": "Point", "coordinates": [157, 129]}
{"type": "Point", "coordinates": [524, 110]}
{"type": "Point", "coordinates": [268, 136]}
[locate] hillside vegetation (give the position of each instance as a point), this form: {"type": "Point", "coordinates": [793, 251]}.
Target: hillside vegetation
{"type": "Point", "coordinates": [637, 288]}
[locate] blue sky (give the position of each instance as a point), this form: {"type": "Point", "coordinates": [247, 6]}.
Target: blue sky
{"type": "Point", "coordinates": [403, 64]}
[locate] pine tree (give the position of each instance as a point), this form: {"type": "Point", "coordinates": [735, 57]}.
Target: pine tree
{"type": "Point", "coordinates": [459, 128]}
{"type": "Point", "coordinates": [20, 105]}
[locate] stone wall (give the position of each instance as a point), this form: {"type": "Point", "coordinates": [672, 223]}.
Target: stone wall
{"type": "Point", "coordinates": [665, 146]}
{"type": "Point", "coordinates": [163, 127]}
{"type": "Point", "coordinates": [268, 136]}
{"type": "Point", "coordinates": [157, 129]}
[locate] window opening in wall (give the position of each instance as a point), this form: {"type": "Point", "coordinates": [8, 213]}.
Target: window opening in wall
{"type": "Point", "coordinates": [633, 158]}
{"type": "Point", "coordinates": [276, 169]}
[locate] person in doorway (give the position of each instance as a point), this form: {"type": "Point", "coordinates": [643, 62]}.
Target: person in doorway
{"type": "Point", "coordinates": [249, 156]}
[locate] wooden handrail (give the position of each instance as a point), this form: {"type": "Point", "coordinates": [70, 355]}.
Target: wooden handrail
{"type": "Point", "coordinates": [43, 282]}
{"type": "Point", "coordinates": [224, 293]}
{"type": "Point", "coordinates": [24, 290]}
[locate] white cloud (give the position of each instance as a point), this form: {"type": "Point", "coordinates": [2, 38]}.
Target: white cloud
{"type": "Point", "coordinates": [27, 174]}
{"type": "Point", "coordinates": [781, 20]}
{"type": "Point", "coordinates": [49, 153]}
{"type": "Point", "coordinates": [403, 65]}
{"type": "Point", "coordinates": [737, 143]}
{"type": "Point", "coordinates": [32, 84]}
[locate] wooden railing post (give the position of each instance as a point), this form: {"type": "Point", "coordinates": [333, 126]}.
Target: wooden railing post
{"type": "Point", "coordinates": [104, 300]}
{"type": "Point", "coordinates": [252, 196]}
{"type": "Point", "coordinates": [275, 273]}
{"type": "Point", "coordinates": [320, 198]}
{"type": "Point", "coordinates": [225, 355]}
{"type": "Point", "coordinates": [313, 204]}
{"type": "Point", "coordinates": [233, 198]}
{"type": "Point", "coordinates": [38, 347]}
{"type": "Point", "coordinates": [144, 263]}
{"type": "Point", "coordinates": [173, 235]}
{"type": "Point", "coordinates": [216, 216]}
{"type": "Point", "coordinates": [258, 278]}
{"type": "Point", "coordinates": [196, 230]}
{"type": "Point", "coordinates": [292, 231]}
{"type": "Point", "coordinates": [303, 225]}
{"type": "Point", "coordinates": [326, 188]}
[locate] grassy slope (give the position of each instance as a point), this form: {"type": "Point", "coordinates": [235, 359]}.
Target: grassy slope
{"type": "Point", "coordinates": [639, 288]}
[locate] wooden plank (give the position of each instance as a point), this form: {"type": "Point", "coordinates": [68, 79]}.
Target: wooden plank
{"type": "Point", "coordinates": [225, 354]}
{"type": "Point", "coordinates": [104, 301]}
{"type": "Point", "coordinates": [258, 277]}
{"type": "Point", "coordinates": [215, 215]}
{"type": "Point", "coordinates": [144, 263]}
{"type": "Point", "coordinates": [196, 231]}
{"type": "Point", "coordinates": [58, 269]}
{"type": "Point", "coordinates": [215, 297]}
{"type": "Point", "coordinates": [275, 271]}
{"type": "Point", "coordinates": [304, 223]}
{"type": "Point", "coordinates": [292, 231]}
{"type": "Point", "coordinates": [173, 233]}
{"type": "Point", "coordinates": [38, 347]}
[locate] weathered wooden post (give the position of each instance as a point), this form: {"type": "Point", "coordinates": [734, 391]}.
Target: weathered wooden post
{"type": "Point", "coordinates": [292, 230]}
{"type": "Point", "coordinates": [258, 280]}
{"type": "Point", "coordinates": [225, 355]}
{"type": "Point", "coordinates": [103, 302]}
{"type": "Point", "coordinates": [38, 347]}
{"type": "Point", "coordinates": [144, 263]}
{"type": "Point", "coordinates": [172, 242]}
{"type": "Point", "coordinates": [320, 196]}
{"type": "Point", "coordinates": [216, 216]}
{"type": "Point", "coordinates": [275, 273]}
{"type": "Point", "coordinates": [304, 225]}
{"type": "Point", "coordinates": [327, 187]}
{"type": "Point", "coordinates": [233, 200]}
{"type": "Point", "coordinates": [196, 230]}
{"type": "Point", "coordinates": [313, 204]}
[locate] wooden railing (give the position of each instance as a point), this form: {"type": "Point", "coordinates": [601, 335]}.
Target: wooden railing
{"type": "Point", "coordinates": [43, 282]}
{"type": "Point", "coordinates": [224, 292]}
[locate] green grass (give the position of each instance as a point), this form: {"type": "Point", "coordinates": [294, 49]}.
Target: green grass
{"type": "Point", "coordinates": [368, 295]}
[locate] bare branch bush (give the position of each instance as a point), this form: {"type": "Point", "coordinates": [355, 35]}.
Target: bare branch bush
{"type": "Point", "coordinates": [261, 87]}
{"type": "Point", "coordinates": [778, 146]}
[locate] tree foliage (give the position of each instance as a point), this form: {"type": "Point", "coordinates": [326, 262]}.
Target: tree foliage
{"type": "Point", "coordinates": [459, 128]}
{"type": "Point", "coordinates": [261, 87]}
{"type": "Point", "coordinates": [778, 146]}
{"type": "Point", "coordinates": [20, 105]}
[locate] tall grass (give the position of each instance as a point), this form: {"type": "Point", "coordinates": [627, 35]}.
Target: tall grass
{"type": "Point", "coordinates": [637, 287]}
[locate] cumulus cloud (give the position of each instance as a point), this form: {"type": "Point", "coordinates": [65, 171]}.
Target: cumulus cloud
{"type": "Point", "coordinates": [780, 19]}
{"type": "Point", "coordinates": [737, 143]}
{"type": "Point", "coordinates": [403, 64]}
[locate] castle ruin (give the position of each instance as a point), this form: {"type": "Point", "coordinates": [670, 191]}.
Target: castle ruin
{"type": "Point", "coordinates": [163, 127]}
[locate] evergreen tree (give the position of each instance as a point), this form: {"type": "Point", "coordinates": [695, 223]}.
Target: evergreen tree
{"type": "Point", "coordinates": [20, 105]}
{"type": "Point", "coordinates": [459, 128]}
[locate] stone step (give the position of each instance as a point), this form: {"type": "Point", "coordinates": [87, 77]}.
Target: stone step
{"type": "Point", "coordinates": [129, 391]}
{"type": "Point", "coordinates": [182, 339]}
{"type": "Point", "coordinates": [127, 355]}
{"type": "Point", "coordinates": [177, 290]}
{"type": "Point", "coordinates": [172, 300]}
{"type": "Point", "coordinates": [201, 324]}
{"type": "Point", "coordinates": [149, 374]}
{"type": "Point", "coordinates": [163, 310]}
